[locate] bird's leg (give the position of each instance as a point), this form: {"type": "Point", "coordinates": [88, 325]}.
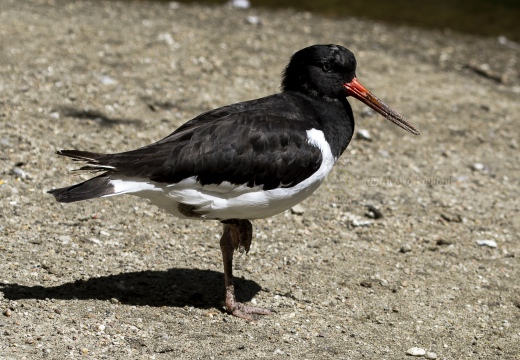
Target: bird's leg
{"type": "Point", "coordinates": [237, 235]}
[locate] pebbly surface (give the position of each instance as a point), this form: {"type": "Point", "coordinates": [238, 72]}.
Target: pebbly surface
{"type": "Point", "coordinates": [437, 276]}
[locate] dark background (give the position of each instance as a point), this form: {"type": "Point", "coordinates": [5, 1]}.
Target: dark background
{"type": "Point", "coordinates": [478, 17]}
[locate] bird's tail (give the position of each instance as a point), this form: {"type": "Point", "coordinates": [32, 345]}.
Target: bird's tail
{"type": "Point", "coordinates": [90, 189]}
{"type": "Point", "coordinates": [95, 162]}
{"type": "Point", "coordinates": [93, 188]}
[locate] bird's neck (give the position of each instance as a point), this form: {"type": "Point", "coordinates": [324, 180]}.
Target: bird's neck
{"type": "Point", "coordinates": [337, 121]}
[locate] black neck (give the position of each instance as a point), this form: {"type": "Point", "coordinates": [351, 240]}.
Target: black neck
{"type": "Point", "coordinates": [336, 120]}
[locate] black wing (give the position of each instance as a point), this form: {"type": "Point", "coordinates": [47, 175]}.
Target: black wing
{"type": "Point", "coordinates": [227, 144]}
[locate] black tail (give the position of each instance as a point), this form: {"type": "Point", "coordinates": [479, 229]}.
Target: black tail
{"type": "Point", "coordinates": [95, 162]}
{"type": "Point", "coordinates": [90, 189]}
{"type": "Point", "coordinates": [80, 155]}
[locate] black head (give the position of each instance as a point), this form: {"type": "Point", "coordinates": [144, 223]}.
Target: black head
{"type": "Point", "coordinates": [320, 70]}
{"type": "Point", "coordinates": [329, 72]}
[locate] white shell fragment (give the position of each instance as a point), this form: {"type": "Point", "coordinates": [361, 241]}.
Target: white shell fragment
{"type": "Point", "coordinates": [490, 243]}
{"type": "Point", "coordinates": [416, 351]}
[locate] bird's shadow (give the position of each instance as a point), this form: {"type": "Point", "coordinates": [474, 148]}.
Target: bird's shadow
{"type": "Point", "coordinates": [174, 287]}
{"type": "Point", "coordinates": [96, 115]}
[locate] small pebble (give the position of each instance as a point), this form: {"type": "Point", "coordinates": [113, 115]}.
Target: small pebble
{"type": "Point", "coordinates": [84, 351]}
{"type": "Point", "coordinates": [373, 212]}
{"type": "Point", "coordinates": [253, 20]}
{"type": "Point", "coordinates": [240, 4]}
{"type": "Point", "coordinates": [298, 210]}
{"type": "Point", "coordinates": [94, 241]}
{"type": "Point", "coordinates": [430, 355]}
{"type": "Point", "coordinates": [167, 38]}
{"type": "Point", "coordinates": [405, 248]}
{"type": "Point", "coordinates": [478, 167]}
{"type": "Point", "coordinates": [19, 173]}
{"type": "Point", "coordinates": [415, 351]}
{"type": "Point", "coordinates": [490, 243]}
{"type": "Point", "coordinates": [363, 134]}
{"type": "Point", "coordinates": [444, 242]}
{"type": "Point", "coordinates": [107, 80]}
{"type": "Point", "coordinates": [65, 239]}
{"type": "Point", "coordinates": [8, 312]}
{"type": "Point", "coordinates": [360, 223]}
{"type": "Point", "coordinates": [451, 217]}
{"type": "Point", "coordinates": [366, 283]}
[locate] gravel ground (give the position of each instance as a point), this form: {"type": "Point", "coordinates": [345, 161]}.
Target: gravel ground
{"type": "Point", "coordinates": [118, 279]}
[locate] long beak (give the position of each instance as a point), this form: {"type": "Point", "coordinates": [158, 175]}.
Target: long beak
{"type": "Point", "coordinates": [355, 89]}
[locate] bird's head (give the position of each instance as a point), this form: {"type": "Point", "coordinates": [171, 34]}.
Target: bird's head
{"type": "Point", "coordinates": [329, 72]}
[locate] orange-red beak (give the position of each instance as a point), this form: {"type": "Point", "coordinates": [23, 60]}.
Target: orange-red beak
{"type": "Point", "coordinates": [355, 89]}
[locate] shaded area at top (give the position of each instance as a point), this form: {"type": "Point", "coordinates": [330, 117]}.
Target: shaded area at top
{"type": "Point", "coordinates": [478, 17]}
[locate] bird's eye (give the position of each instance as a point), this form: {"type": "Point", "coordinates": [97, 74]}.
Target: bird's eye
{"type": "Point", "coordinates": [326, 67]}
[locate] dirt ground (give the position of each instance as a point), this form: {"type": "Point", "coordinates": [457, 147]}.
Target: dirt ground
{"type": "Point", "coordinates": [118, 279]}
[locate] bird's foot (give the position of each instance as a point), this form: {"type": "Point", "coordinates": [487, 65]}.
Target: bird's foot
{"type": "Point", "coordinates": [245, 312]}
{"type": "Point", "coordinates": [241, 310]}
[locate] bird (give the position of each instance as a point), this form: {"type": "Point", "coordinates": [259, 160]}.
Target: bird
{"type": "Point", "coordinates": [245, 161]}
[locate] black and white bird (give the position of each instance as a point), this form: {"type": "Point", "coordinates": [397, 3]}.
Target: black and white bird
{"type": "Point", "coordinates": [245, 161]}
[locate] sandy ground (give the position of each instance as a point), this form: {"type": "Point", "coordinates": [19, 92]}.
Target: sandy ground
{"type": "Point", "coordinates": [118, 279]}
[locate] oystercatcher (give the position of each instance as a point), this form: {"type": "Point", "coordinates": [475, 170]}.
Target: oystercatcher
{"type": "Point", "coordinates": [244, 161]}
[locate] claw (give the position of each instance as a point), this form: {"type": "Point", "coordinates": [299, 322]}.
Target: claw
{"type": "Point", "coordinates": [244, 312]}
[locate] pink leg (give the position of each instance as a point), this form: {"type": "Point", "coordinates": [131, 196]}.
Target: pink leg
{"type": "Point", "coordinates": [237, 235]}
